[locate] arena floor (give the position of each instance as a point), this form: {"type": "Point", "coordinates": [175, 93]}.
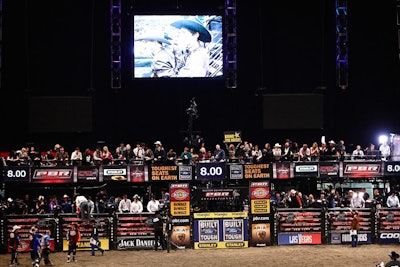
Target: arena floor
{"type": "Point", "coordinates": [299, 255]}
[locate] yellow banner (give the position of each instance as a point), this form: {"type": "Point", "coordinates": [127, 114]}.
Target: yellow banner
{"type": "Point", "coordinates": [213, 245]}
{"type": "Point", "coordinates": [84, 244]}
{"type": "Point", "coordinates": [180, 208]}
{"type": "Point", "coordinates": [260, 206]}
{"type": "Point", "coordinates": [209, 215]}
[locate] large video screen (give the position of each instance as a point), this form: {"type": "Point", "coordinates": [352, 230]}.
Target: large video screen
{"type": "Point", "coordinates": [177, 46]}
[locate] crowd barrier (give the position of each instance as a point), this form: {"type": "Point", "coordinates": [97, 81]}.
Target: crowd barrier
{"type": "Point", "coordinates": [205, 230]}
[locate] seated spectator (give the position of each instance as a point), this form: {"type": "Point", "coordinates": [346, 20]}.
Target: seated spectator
{"type": "Point", "coordinates": [62, 157]}
{"type": "Point", "coordinates": [314, 152]}
{"type": "Point", "coordinates": [277, 152]}
{"type": "Point", "coordinates": [76, 157]}
{"type": "Point", "coordinates": [186, 156]}
{"type": "Point", "coordinates": [171, 157]}
{"type": "Point", "coordinates": [106, 156]}
{"type": "Point", "coordinates": [160, 154]}
{"type": "Point", "coordinates": [66, 205]}
{"type": "Point", "coordinates": [35, 157]}
{"type": "Point", "coordinates": [49, 158]}
{"type": "Point", "coordinates": [12, 158]}
{"type": "Point", "coordinates": [304, 153]}
{"type": "Point", "coordinates": [219, 154]}
{"type": "Point", "coordinates": [357, 153]}
{"type": "Point", "coordinates": [87, 157]}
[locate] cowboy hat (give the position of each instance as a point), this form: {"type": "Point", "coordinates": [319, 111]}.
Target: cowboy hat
{"type": "Point", "coordinates": [393, 255]}
{"type": "Point", "coordinates": [277, 145]}
{"type": "Point", "coordinates": [157, 143]}
{"type": "Point", "coordinates": [15, 227]}
{"type": "Point", "coordinates": [194, 26]}
{"type": "Point", "coordinates": [136, 196]}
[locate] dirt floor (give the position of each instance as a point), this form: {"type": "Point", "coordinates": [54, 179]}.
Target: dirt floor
{"type": "Point", "coordinates": [299, 255]}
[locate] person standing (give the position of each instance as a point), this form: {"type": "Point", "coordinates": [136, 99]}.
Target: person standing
{"type": "Point", "coordinates": [14, 244]}
{"type": "Point", "coordinates": [153, 205]}
{"type": "Point", "coordinates": [158, 231]}
{"type": "Point", "coordinates": [46, 247]}
{"type": "Point", "coordinates": [94, 238]}
{"type": "Point", "coordinates": [136, 205]}
{"type": "Point", "coordinates": [124, 205]}
{"type": "Point", "coordinates": [34, 246]}
{"type": "Point", "coordinates": [392, 201]}
{"type": "Point", "coordinates": [168, 231]}
{"type": "Point", "coordinates": [393, 260]}
{"type": "Point", "coordinates": [354, 228]}
{"type": "Point", "coordinates": [73, 238]}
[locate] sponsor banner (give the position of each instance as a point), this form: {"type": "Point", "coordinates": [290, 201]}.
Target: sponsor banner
{"type": "Point", "coordinates": [181, 221]}
{"type": "Point", "coordinates": [232, 137]}
{"type": "Point", "coordinates": [87, 174]}
{"type": "Point", "coordinates": [173, 186]}
{"type": "Point", "coordinates": [305, 169]}
{"type": "Point", "coordinates": [179, 194]}
{"type": "Point", "coordinates": [214, 171]}
{"type": "Point", "coordinates": [185, 173]}
{"type": "Point", "coordinates": [84, 244]}
{"type": "Point", "coordinates": [113, 173]}
{"type": "Point", "coordinates": [260, 234]}
{"type": "Point", "coordinates": [259, 218]}
{"type": "Point", "coordinates": [235, 171]}
{"type": "Point", "coordinates": [143, 242]}
{"type": "Point", "coordinates": [138, 173]}
{"type": "Point", "coordinates": [181, 235]}
{"type": "Point", "coordinates": [389, 238]}
{"type": "Point", "coordinates": [328, 169]}
{"type": "Point", "coordinates": [164, 173]}
{"type": "Point", "coordinates": [222, 233]}
{"type": "Point", "coordinates": [282, 170]}
{"type": "Point", "coordinates": [299, 239]}
{"type": "Point", "coordinates": [260, 206]}
{"type": "Point", "coordinates": [306, 221]}
{"type": "Point", "coordinates": [24, 245]}
{"type": "Point", "coordinates": [201, 215]}
{"type": "Point", "coordinates": [363, 238]}
{"type": "Point", "coordinates": [16, 174]}
{"type": "Point", "coordinates": [260, 193]}
{"type": "Point", "coordinates": [53, 175]}
{"type": "Point", "coordinates": [214, 245]}
{"type": "Point", "coordinates": [180, 208]}
{"type": "Point", "coordinates": [362, 170]}
{"type": "Point", "coordinates": [391, 168]}
{"type": "Point", "coordinates": [233, 230]}
{"type": "Point", "coordinates": [257, 171]}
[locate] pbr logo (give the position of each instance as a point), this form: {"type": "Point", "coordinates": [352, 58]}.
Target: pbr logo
{"type": "Point", "coordinates": [373, 168]}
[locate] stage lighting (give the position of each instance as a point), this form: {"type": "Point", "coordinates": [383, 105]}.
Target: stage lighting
{"type": "Point", "coordinates": [383, 139]}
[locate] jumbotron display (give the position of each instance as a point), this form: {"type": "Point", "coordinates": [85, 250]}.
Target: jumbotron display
{"type": "Point", "coordinates": [178, 46]}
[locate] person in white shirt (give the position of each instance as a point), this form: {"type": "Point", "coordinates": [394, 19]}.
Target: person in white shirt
{"type": "Point", "coordinates": [357, 201]}
{"type": "Point", "coordinates": [357, 153]}
{"type": "Point", "coordinates": [385, 151]}
{"type": "Point", "coordinates": [82, 206]}
{"type": "Point", "coordinates": [392, 200]}
{"type": "Point", "coordinates": [136, 205]}
{"type": "Point", "coordinates": [153, 205]}
{"type": "Point", "coordinates": [76, 157]}
{"type": "Point", "coordinates": [124, 205]}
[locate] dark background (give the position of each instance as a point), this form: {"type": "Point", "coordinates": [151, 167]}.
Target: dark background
{"type": "Point", "coordinates": [62, 49]}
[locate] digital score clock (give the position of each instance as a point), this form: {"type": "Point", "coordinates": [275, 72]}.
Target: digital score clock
{"type": "Point", "coordinates": [215, 171]}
